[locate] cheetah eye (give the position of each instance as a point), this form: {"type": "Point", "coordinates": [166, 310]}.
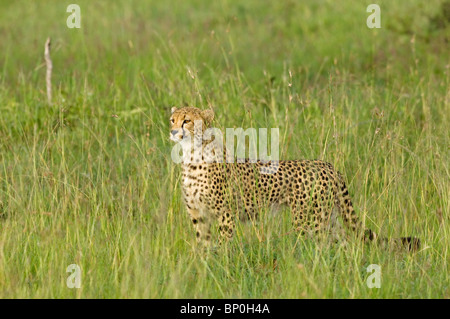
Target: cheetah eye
{"type": "Point", "coordinates": [172, 121]}
{"type": "Point", "coordinates": [187, 121]}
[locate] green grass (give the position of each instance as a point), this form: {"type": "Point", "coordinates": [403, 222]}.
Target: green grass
{"type": "Point", "coordinates": [90, 181]}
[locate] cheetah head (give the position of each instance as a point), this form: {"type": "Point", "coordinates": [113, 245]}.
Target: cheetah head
{"type": "Point", "coordinates": [183, 119]}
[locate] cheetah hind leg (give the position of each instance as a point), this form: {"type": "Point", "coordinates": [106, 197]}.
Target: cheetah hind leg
{"type": "Point", "coordinates": [335, 227]}
{"type": "Point", "coordinates": [321, 222]}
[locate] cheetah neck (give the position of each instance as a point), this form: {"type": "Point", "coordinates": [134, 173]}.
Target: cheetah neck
{"type": "Point", "coordinates": [199, 151]}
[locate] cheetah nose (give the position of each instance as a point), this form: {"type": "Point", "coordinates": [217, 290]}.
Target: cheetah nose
{"type": "Point", "coordinates": [174, 132]}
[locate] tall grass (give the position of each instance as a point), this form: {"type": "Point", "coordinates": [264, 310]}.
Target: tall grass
{"type": "Point", "coordinates": [90, 180]}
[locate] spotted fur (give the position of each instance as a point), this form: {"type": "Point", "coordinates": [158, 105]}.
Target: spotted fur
{"type": "Point", "coordinates": [216, 190]}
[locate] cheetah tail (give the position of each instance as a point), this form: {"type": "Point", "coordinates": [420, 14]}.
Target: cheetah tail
{"type": "Point", "coordinates": [410, 243]}
{"type": "Point", "coordinates": [351, 220]}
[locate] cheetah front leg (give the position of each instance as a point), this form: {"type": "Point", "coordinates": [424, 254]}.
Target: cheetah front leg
{"type": "Point", "coordinates": [202, 226]}
{"type": "Point", "coordinates": [226, 226]}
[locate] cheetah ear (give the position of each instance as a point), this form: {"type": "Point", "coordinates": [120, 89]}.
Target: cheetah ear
{"type": "Point", "coordinates": [173, 109]}
{"type": "Point", "coordinates": [208, 115]}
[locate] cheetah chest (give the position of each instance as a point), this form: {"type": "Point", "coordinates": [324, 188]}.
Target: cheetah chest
{"type": "Point", "coordinates": [194, 186]}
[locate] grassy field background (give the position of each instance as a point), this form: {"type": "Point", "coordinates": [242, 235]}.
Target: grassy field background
{"type": "Point", "coordinates": [90, 181]}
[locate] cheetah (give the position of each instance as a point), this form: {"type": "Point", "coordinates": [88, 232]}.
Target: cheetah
{"type": "Point", "coordinates": [216, 189]}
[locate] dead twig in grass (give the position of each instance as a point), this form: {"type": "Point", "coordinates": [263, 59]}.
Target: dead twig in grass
{"type": "Point", "coordinates": [48, 62]}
